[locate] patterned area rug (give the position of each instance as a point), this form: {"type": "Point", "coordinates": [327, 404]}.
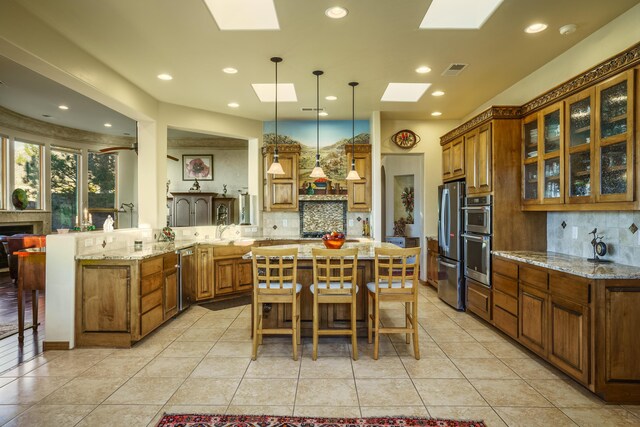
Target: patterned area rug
{"type": "Point", "coordinates": [8, 329]}
{"type": "Point", "coordinates": [211, 420]}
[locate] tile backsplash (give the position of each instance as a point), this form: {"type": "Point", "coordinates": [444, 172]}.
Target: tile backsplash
{"type": "Point", "coordinates": [623, 246]}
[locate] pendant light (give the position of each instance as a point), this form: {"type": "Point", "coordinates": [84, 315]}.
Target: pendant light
{"type": "Point", "coordinates": [317, 171]}
{"type": "Point", "coordinates": [353, 173]}
{"type": "Point", "coordinates": [276, 167]}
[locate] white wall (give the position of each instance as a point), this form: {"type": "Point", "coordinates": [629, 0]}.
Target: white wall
{"type": "Point", "coordinates": [128, 187]}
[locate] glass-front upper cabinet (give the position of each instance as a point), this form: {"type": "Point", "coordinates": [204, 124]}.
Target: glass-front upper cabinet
{"type": "Point", "coordinates": [551, 162]}
{"type": "Point", "coordinates": [614, 144]}
{"type": "Point", "coordinates": [530, 145]}
{"type": "Point", "coordinates": [579, 121]}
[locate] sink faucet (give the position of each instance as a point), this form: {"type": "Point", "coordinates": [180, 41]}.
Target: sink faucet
{"type": "Point", "coordinates": [221, 228]}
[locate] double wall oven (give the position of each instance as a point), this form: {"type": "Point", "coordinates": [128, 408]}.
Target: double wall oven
{"type": "Point", "coordinates": [477, 239]}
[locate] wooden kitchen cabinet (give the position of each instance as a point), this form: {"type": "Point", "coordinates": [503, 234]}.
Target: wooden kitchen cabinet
{"type": "Point", "coordinates": [447, 171]}
{"type": "Point", "coordinates": [453, 160]}
{"type": "Point", "coordinates": [478, 164]}
{"type": "Point", "coordinates": [281, 191]}
{"type": "Point", "coordinates": [192, 209]}
{"type": "Point", "coordinates": [569, 339]}
{"type": "Point", "coordinates": [204, 272]}
{"type": "Point", "coordinates": [432, 261]}
{"type": "Point", "coordinates": [532, 322]}
{"type": "Point", "coordinates": [232, 274]}
{"type": "Point", "coordinates": [170, 285]}
{"type": "Point", "coordinates": [478, 299]}
{"type": "Point", "coordinates": [359, 191]}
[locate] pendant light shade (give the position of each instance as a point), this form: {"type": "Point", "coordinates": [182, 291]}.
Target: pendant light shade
{"type": "Point", "coordinates": [353, 173]}
{"type": "Point", "coordinates": [317, 171]}
{"type": "Point", "coordinates": [276, 167]}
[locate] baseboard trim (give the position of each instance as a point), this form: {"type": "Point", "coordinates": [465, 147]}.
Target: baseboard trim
{"type": "Point", "coordinates": [55, 345]}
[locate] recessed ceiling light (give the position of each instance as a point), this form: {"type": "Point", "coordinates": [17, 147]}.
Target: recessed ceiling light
{"type": "Point", "coordinates": [461, 14]}
{"type": "Point", "coordinates": [330, 98]}
{"type": "Point", "coordinates": [323, 113]}
{"type": "Point", "coordinates": [244, 14]}
{"type": "Point", "coordinates": [165, 76]}
{"type": "Point", "coordinates": [336, 12]}
{"type": "Point", "coordinates": [230, 70]}
{"type": "Point", "coordinates": [63, 107]}
{"type": "Point", "coordinates": [107, 125]}
{"type": "Point", "coordinates": [266, 92]}
{"type": "Point", "coordinates": [423, 70]}
{"type": "Point", "coordinates": [437, 93]}
{"type": "Point", "coordinates": [568, 29]}
{"type": "Point", "coordinates": [233, 105]}
{"type": "Point", "coordinates": [404, 92]}
{"type": "Point", "coordinates": [535, 28]}
{"type": "Point", "coordinates": [436, 113]}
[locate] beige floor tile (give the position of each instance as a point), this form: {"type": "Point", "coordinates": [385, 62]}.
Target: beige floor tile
{"type": "Point", "coordinates": [116, 366]}
{"type": "Point", "coordinates": [178, 367]}
{"type": "Point", "coordinates": [491, 368]}
{"type": "Point", "coordinates": [326, 367]}
{"type": "Point", "coordinates": [428, 350]}
{"type": "Point", "coordinates": [238, 334]}
{"type": "Point", "coordinates": [431, 368]}
{"type": "Point", "coordinates": [227, 313]}
{"type": "Point", "coordinates": [273, 367]}
{"type": "Point", "coordinates": [327, 411]}
{"type": "Point", "coordinates": [205, 391]}
{"type": "Point", "coordinates": [384, 367]}
{"type": "Point", "coordinates": [84, 391]}
{"type": "Point", "coordinates": [394, 411]}
{"type": "Point", "coordinates": [187, 349]}
{"type": "Point", "coordinates": [51, 415]}
{"type": "Point", "coordinates": [28, 390]}
{"type": "Point", "coordinates": [534, 369]}
{"type": "Point", "coordinates": [465, 350]}
{"type": "Point", "coordinates": [509, 393]}
{"type": "Point", "coordinates": [635, 409]}
{"type": "Point", "coordinates": [141, 350]}
{"type": "Point", "coordinates": [221, 367]}
{"type": "Point", "coordinates": [240, 323]}
{"type": "Point", "coordinates": [470, 322]}
{"type": "Point", "coordinates": [401, 338]}
{"type": "Point", "coordinates": [269, 392]}
{"type": "Point", "coordinates": [326, 392]}
{"type": "Point", "coordinates": [206, 335]}
{"type": "Point", "coordinates": [209, 323]}
{"type": "Point", "coordinates": [328, 348]}
{"type": "Point", "coordinates": [475, 413]}
{"type": "Point", "coordinates": [231, 349]}
{"type": "Point", "coordinates": [487, 335]}
{"type": "Point", "coordinates": [507, 349]}
{"type": "Point", "coordinates": [126, 415]}
{"type": "Point", "coordinates": [8, 412]}
{"type": "Point", "coordinates": [282, 410]}
{"type": "Point", "coordinates": [63, 367]}
{"type": "Point", "coordinates": [448, 392]}
{"type": "Point", "coordinates": [566, 393]}
{"type": "Point", "coordinates": [5, 381]}
{"type": "Point", "coordinates": [450, 335]}
{"type": "Point", "coordinates": [193, 409]}
{"type": "Point", "coordinates": [592, 417]}
{"type": "Point", "coordinates": [439, 323]}
{"type": "Point", "coordinates": [145, 391]}
{"type": "Point", "coordinates": [387, 392]}
{"type": "Point", "coordinates": [534, 417]}
{"type": "Point", "coordinates": [385, 348]}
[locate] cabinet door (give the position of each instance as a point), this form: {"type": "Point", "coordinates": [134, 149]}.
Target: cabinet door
{"type": "Point", "coordinates": [105, 298]}
{"type": "Point", "coordinates": [202, 211]}
{"type": "Point", "coordinates": [553, 155]}
{"type": "Point", "coordinates": [182, 212]}
{"type": "Point", "coordinates": [569, 337]}
{"type": "Point", "coordinates": [170, 294]}
{"type": "Point", "coordinates": [532, 320]}
{"type": "Point", "coordinates": [530, 167]}
{"type": "Point", "coordinates": [579, 147]}
{"type": "Point", "coordinates": [614, 142]}
{"type": "Point", "coordinates": [447, 172]}
{"type": "Point", "coordinates": [457, 157]}
{"type": "Point", "coordinates": [483, 167]}
{"type": "Point", "coordinates": [204, 273]}
{"type": "Point", "coordinates": [471, 147]}
{"type": "Point", "coordinates": [282, 191]}
{"type": "Point", "coordinates": [224, 276]}
{"type": "Point", "coordinates": [359, 191]}
{"type": "Point", "coordinates": [243, 275]}
{"type": "Point", "coordinates": [478, 299]}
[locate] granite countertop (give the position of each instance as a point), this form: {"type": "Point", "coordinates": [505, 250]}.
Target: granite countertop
{"type": "Point", "coordinates": [572, 264]}
{"type": "Point", "coordinates": [366, 250]}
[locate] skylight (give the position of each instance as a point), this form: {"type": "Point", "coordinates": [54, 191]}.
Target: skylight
{"type": "Point", "coordinates": [404, 92]}
{"type": "Point", "coordinates": [459, 14]}
{"type": "Point", "coordinates": [244, 14]}
{"type": "Point", "coordinates": [266, 92]}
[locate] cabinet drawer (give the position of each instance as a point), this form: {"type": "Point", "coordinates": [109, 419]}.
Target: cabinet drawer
{"type": "Point", "coordinates": [505, 321]}
{"type": "Point", "coordinates": [534, 277]}
{"type": "Point", "coordinates": [151, 283]}
{"type": "Point", "coordinates": [570, 287]}
{"type": "Point", "coordinates": [506, 268]}
{"type": "Point", "coordinates": [151, 266]}
{"type": "Point", "coordinates": [151, 300]}
{"type": "Point", "coordinates": [151, 320]}
{"type": "Point", "coordinates": [169, 261]}
{"type": "Point", "coordinates": [506, 285]}
{"type": "Point", "coordinates": [505, 302]}
{"type": "Point", "coordinates": [479, 299]}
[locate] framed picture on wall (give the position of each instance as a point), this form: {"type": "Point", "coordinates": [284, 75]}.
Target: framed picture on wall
{"type": "Point", "coordinates": [195, 166]}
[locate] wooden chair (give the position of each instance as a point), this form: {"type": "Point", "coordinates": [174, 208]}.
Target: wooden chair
{"type": "Point", "coordinates": [334, 282]}
{"type": "Point", "coordinates": [396, 279]}
{"type": "Point", "coordinates": [275, 281]}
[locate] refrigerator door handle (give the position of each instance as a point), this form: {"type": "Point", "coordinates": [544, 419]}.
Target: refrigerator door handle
{"type": "Point", "coordinates": [475, 238]}
{"type": "Point", "coordinates": [446, 264]}
{"type": "Point", "coordinates": [444, 242]}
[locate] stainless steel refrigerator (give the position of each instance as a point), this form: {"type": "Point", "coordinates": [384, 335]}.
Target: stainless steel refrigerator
{"type": "Point", "coordinates": [450, 266]}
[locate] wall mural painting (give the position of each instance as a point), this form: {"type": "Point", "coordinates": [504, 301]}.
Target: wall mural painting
{"type": "Point", "coordinates": [334, 134]}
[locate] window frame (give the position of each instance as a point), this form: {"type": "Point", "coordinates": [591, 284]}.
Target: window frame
{"type": "Point", "coordinates": [42, 198]}
{"type": "Point", "coordinates": [114, 210]}
{"type": "Point", "coordinates": [79, 185]}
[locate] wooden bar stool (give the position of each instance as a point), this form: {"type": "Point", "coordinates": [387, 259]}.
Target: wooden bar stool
{"type": "Point", "coordinates": [334, 282]}
{"type": "Point", "coordinates": [396, 279]}
{"type": "Point", "coordinates": [275, 281]}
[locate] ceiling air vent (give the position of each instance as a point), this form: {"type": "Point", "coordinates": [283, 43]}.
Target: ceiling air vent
{"type": "Point", "coordinates": [454, 69]}
{"type": "Point", "coordinates": [311, 109]}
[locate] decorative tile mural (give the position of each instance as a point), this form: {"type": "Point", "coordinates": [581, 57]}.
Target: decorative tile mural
{"type": "Point", "coordinates": [317, 218]}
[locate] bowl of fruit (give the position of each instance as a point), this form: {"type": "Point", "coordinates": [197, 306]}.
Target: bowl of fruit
{"type": "Point", "coordinates": [333, 240]}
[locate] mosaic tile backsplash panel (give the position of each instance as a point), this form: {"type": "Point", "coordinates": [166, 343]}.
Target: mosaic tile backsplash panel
{"type": "Point", "coordinates": [318, 217]}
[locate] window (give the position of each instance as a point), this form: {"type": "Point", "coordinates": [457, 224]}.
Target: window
{"type": "Point", "coordinates": [28, 169]}
{"type": "Point", "coordinates": [3, 144]}
{"type": "Point", "coordinates": [64, 188]}
{"type": "Point", "coordinates": [102, 186]}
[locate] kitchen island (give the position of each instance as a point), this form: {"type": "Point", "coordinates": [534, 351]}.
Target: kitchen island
{"type": "Point", "coordinates": [581, 317]}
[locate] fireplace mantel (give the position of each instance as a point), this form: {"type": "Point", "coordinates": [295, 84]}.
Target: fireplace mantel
{"type": "Point", "coordinates": [41, 220]}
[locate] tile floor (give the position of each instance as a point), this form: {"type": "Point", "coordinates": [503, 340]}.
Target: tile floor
{"type": "Point", "coordinates": [200, 362]}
